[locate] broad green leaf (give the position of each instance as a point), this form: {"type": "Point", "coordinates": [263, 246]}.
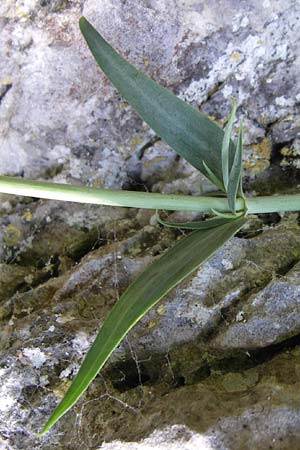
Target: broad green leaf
{"type": "Point", "coordinates": [226, 144]}
{"type": "Point", "coordinates": [198, 225]}
{"type": "Point", "coordinates": [191, 134]}
{"type": "Point", "coordinates": [236, 171]}
{"type": "Point", "coordinates": [155, 282]}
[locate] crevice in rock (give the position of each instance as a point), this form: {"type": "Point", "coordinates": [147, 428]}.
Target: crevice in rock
{"type": "Point", "coordinates": [244, 359]}
{"type": "Point", "coordinates": [270, 218]}
{"type": "Point", "coordinates": [276, 156]}
{"type": "Point", "coordinates": [4, 90]}
{"type": "Point", "coordinates": [219, 85]}
{"type": "Point", "coordinates": [128, 375]}
{"type": "Point", "coordinates": [92, 242]}
{"type": "Point", "coordinates": [134, 181]}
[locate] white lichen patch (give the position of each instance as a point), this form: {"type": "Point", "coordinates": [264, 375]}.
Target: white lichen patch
{"type": "Point", "coordinates": [68, 371]}
{"type": "Point", "coordinates": [204, 278]}
{"type": "Point", "coordinates": [81, 342]}
{"type": "Point", "coordinates": [227, 264]}
{"type": "Point", "coordinates": [266, 4]}
{"type": "Point", "coordinates": [65, 318]}
{"type": "Point", "coordinates": [6, 398]}
{"type": "Point", "coordinates": [240, 317]}
{"type": "Point", "coordinates": [285, 102]}
{"type": "Point", "coordinates": [25, 7]}
{"type": "Point", "coordinates": [44, 380]}
{"type": "Point", "coordinates": [35, 356]}
{"type": "Point", "coordinates": [231, 297]}
{"type": "Point", "coordinates": [11, 385]}
{"type": "Point", "coordinates": [250, 52]}
{"type": "Point", "coordinates": [227, 91]}
{"type": "Point", "coordinates": [239, 21]}
{"type": "Point", "coordinates": [175, 437]}
{"type": "Point", "coordinates": [60, 153]}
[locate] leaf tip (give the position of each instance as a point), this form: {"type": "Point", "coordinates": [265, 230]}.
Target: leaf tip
{"type": "Point", "coordinates": [233, 103]}
{"type": "Point", "coordinates": [82, 22]}
{"type": "Point", "coordinates": [50, 422]}
{"type": "Point", "coordinates": [42, 431]}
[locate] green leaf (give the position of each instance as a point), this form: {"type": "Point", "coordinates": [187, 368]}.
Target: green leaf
{"type": "Point", "coordinates": [191, 134]}
{"type": "Point", "coordinates": [226, 144]}
{"type": "Point", "coordinates": [227, 215]}
{"type": "Point", "coordinates": [236, 171]}
{"type": "Point", "coordinates": [198, 225]}
{"type": "Point", "coordinates": [155, 282]}
{"type": "Point", "coordinates": [212, 177]}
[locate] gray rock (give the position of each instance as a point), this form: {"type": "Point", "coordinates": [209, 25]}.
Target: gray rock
{"type": "Point", "coordinates": [76, 122]}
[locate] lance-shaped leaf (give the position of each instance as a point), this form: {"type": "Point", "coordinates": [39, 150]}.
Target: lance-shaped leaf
{"type": "Point", "coordinates": [190, 133]}
{"type": "Point", "coordinates": [155, 282]}
{"type": "Point", "coordinates": [236, 172]}
{"type": "Point", "coordinates": [212, 177]}
{"type": "Point", "coordinates": [198, 225]}
{"type": "Point", "coordinates": [226, 144]}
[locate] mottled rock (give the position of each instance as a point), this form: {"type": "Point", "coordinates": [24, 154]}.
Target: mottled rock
{"type": "Point", "coordinates": [76, 124]}
{"type": "Point", "coordinates": [189, 337]}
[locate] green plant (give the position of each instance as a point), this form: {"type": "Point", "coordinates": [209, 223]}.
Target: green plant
{"type": "Point", "coordinates": [209, 149]}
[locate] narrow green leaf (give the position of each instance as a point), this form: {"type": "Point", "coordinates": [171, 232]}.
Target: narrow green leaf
{"type": "Point", "coordinates": [155, 282]}
{"type": "Point", "coordinates": [227, 215]}
{"type": "Point", "coordinates": [198, 225]}
{"type": "Point", "coordinates": [226, 144]}
{"type": "Point", "coordinates": [191, 134]}
{"type": "Point", "coordinates": [240, 192]}
{"type": "Point", "coordinates": [236, 171]}
{"type": "Point", "coordinates": [212, 177]}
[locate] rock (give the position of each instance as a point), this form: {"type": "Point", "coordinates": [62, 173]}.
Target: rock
{"type": "Point", "coordinates": [286, 130]}
{"type": "Point", "coordinates": [291, 154]}
{"type": "Point", "coordinates": [158, 163]}
{"type": "Point", "coordinates": [270, 317]}
{"type": "Point", "coordinates": [49, 77]}
{"type": "Point", "coordinates": [189, 339]}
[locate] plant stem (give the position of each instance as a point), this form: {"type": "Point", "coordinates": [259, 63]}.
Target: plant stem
{"type": "Point", "coordinates": [65, 192]}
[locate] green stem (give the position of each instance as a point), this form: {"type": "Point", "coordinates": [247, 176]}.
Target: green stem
{"type": "Point", "coordinates": [55, 191]}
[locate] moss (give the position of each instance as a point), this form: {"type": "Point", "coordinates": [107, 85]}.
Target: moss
{"type": "Point", "coordinates": [60, 389]}
{"type": "Point", "coordinates": [151, 324]}
{"type": "Point", "coordinates": [153, 161]}
{"type": "Point", "coordinates": [259, 155]}
{"type": "Point", "coordinates": [12, 236]}
{"type": "Point", "coordinates": [234, 381]}
{"type": "Point", "coordinates": [15, 278]}
{"type": "Point", "coordinates": [235, 56]}
{"type": "Point", "coordinates": [135, 141]}
{"type": "Point", "coordinates": [160, 310]}
{"type": "Point", "coordinates": [60, 5]}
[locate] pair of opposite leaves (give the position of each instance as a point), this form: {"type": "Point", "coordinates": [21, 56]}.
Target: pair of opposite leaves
{"type": "Point", "coordinates": [200, 141]}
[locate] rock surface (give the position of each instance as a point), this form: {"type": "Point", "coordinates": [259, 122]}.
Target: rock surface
{"type": "Point", "coordinates": [215, 365]}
